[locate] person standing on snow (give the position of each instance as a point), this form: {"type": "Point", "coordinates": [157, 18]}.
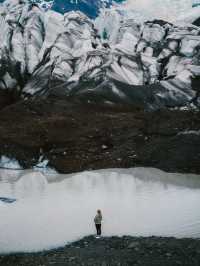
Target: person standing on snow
{"type": "Point", "coordinates": [97, 221]}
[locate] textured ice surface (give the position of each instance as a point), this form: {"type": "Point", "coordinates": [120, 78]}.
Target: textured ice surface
{"type": "Point", "coordinates": [52, 210]}
{"type": "Point", "coordinates": [70, 54]}
{"type": "Point", "coordinates": [168, 9]}
{"type": "Point", "coordinates": [9, 163]}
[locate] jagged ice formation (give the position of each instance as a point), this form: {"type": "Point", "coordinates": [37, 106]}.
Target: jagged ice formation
{"type": "Point", "coordinates": [113, 59]}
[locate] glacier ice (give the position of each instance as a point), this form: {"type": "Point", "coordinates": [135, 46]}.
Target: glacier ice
{"type": "Point", "coordinates": [164, 9]}
{"type": "Point", "coordinates": [167, 10]}
{"type": "Point", "coordinates": [9, 163]}
{"type": "Point", "coordinates": [44, 52]}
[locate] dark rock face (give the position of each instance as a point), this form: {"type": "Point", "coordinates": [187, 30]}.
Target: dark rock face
{"type": "Point", "coordinates": [125, 251]}
{"type": "Point", "coordinates": [76, 137]}
{"type": "Point", "coordinates": [6, 98]}
{"type": "Point", "coordinates": [197, 22]}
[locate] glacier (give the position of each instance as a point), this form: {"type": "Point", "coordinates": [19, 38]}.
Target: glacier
{"type": "Point", "coordinates": [136, 61]}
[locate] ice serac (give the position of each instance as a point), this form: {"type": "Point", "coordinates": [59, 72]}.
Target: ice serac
{"type": "Point", "coordinates": [23, 34]}
{"type": "Point", "coordinates": [115, 59]}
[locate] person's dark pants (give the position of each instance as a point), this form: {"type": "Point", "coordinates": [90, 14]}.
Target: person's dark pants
{"type": "Point", "coordinates": [98, 227]}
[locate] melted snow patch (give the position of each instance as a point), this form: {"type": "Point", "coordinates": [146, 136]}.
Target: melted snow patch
{"type": "Point", "coordinates": [190, 132]}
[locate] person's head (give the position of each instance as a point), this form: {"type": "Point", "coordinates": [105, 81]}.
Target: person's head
{"type": "Point", "coordinates": [99, 211]}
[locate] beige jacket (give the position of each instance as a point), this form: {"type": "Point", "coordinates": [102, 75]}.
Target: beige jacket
{"type": "Point", "coordinates": [98, 219]}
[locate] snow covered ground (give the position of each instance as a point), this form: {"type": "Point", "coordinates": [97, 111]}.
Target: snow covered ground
{"type": "Point", "coordinates": [51, 210]}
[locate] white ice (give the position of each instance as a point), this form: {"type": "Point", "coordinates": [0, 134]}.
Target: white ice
{"type": "Point", "coordinates": [9, 163]}
{"type": "Point", "coordinates": [53, 210]}
{"type": "Point", "coordinates": [168, 10]}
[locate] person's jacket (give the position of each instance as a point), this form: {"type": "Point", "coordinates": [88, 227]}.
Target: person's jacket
{"type": "Point", "coordinates": [98, 219]}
